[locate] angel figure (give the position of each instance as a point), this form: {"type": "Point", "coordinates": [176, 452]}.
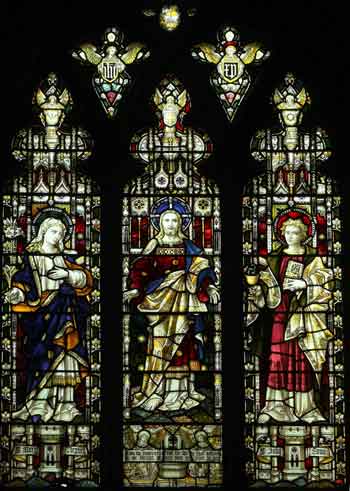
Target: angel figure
{"type": "Point", "coordinates": [110, 79]}
{"type": "Point", "coordinates": [230, 80]}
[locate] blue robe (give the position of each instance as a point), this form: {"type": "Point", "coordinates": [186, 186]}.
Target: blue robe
{"type": "Point", "coordinates": [43, 317]}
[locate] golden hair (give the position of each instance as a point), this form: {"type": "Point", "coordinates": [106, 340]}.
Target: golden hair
{"type": "Point", "coordinates": [296, 222]}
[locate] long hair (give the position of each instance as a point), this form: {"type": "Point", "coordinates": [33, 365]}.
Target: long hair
{"type": "Point", "coordinates": [36, 244]}
{"type": "Point", "coordinates": [179, 232]}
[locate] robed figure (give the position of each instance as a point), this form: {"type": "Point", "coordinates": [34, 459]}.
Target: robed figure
{"type": "Point", "coordinates": [51, 294]}
{"type": "Point", "coordinates": [295, 284]}
{"type": "Point", "coordinates": [171, 283]}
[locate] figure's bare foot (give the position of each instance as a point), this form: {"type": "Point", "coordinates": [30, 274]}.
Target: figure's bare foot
{"type": "Point", "coordinates": [313, 416]}
{"type": "Point", "coordinates": [152, 403]}
{"type": "Point", "coordinates": [197, 396]}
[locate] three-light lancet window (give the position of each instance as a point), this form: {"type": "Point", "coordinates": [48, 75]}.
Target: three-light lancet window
{"type": "Point", "coordinates": [171, 320]}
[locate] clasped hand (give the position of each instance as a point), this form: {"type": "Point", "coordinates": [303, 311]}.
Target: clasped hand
{"type": "Point", "coordinates": [57, 273]}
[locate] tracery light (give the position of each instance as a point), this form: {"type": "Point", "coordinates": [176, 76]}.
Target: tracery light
{"type": "Point", "coordinates": [231, 79]}
{"type": "Point", "coordinates": [110, 79]}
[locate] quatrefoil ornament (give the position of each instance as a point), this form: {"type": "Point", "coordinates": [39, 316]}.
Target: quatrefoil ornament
{"type": "Point", "coordinates": [110, 79]}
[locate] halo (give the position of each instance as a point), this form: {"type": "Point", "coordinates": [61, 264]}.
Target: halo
{"type": "Point", "coordinates": [294, 213]}
{"type": "Point", "coordinates": [171, 203]}
{"type": "Point", "coordinates": [144, 432]}
{"type": "Point", "coordinates": [54, 213]}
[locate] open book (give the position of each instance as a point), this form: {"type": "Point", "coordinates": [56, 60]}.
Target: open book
{"type": "Point", "coordinates": [294, 271]}
{"type": "Point", "coordinates": [295, 326]}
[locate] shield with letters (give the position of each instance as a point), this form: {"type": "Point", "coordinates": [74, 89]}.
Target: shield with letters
{"type": "Point", "coordinates": [230, 70]}
{"type": "Point", "coordinates": [109, 70]}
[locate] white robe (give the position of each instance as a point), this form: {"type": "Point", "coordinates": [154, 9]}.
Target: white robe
{"type": "Point", "coordinates": [55, 400]}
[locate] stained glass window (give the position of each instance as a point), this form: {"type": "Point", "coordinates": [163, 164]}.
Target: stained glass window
{"type": "Point", "coordinates": [303, 36]}
{"type": "Point", "coordinates": [172, 330]}
{"type": "Point", "coordinates": [294, 366]}
{"type": "Point", "coordinates": [50, 331]}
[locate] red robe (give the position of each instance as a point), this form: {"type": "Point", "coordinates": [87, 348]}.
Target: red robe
{"type": "Point", "coordinates": [289, 368]}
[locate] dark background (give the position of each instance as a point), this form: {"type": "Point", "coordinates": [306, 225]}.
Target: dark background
{"type": "Point", "coordinates": [304, 37]}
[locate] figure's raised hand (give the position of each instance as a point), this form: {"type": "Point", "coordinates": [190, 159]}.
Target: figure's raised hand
{"type": "Point", "coordinates": [57, 273]}
{"type": "Point", "coordinates": [262, 262]}
{"type": "Point", "coordinates": [254, 292]}
{"type": "Point", "coordinates": [214, 295]}
{"type": "Point", "coordinates": [130, 294]}
{"type": "Point", "coordinates": [294, 284]}
{"type": "Point", "coordinates": [14, 296]}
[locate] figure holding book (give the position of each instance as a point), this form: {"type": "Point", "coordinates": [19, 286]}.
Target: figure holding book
{"type": "Point", "coordinates": [295, 284]}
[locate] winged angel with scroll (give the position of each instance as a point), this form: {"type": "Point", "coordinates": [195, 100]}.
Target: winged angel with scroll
{"type": "Point", "coordinates": [111, 78]}
{"type": "Point", "coordinates": [231, 79]}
